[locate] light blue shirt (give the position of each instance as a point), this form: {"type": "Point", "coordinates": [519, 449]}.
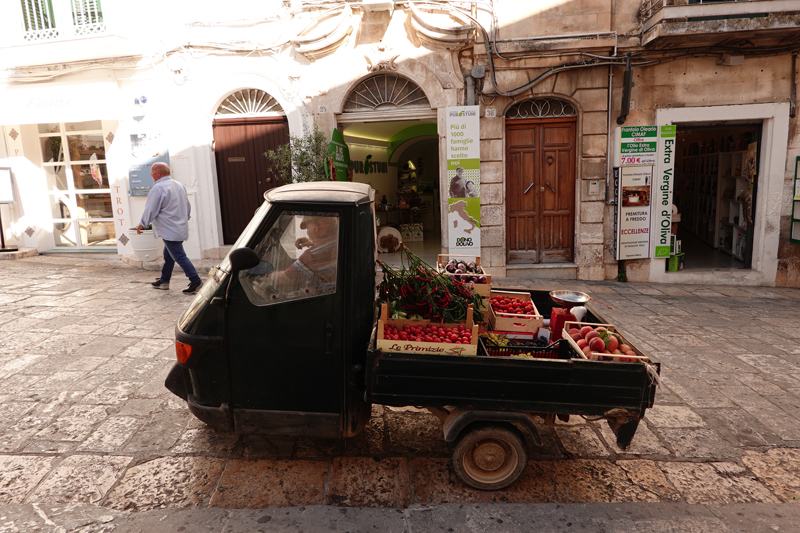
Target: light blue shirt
{"type": "Point", "coordinates": [168, 209]}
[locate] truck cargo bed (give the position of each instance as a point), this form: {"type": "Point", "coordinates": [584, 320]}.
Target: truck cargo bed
{"type": "Point", "coordinates": [571, 386]}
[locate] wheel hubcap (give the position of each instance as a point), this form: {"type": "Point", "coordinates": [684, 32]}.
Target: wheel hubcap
{"type": "Point", "coordinates": [489, 456]}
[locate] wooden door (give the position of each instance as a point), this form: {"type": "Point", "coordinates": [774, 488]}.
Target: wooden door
{"type": "Point", "coordinates": [540, 190]}
{"type": "Point", "coordinates": [243, 173]}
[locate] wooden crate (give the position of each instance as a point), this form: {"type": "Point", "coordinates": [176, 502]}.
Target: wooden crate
{"type": "Point", "coordinates": [482, 289]}
{"type": "Point", "coordinates": [516, 323]}
{"type": "Point", "coordinates": [639, 357]}
{"type": "Point", "coordinates": [437, 348]}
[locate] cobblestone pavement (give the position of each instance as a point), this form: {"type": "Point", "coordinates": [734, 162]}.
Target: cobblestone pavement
{"type": "Point", "coordinates": [85, 345]}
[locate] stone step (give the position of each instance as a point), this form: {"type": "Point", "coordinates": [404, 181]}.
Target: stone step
{"type": "Point", "coordinates": [543, 271]}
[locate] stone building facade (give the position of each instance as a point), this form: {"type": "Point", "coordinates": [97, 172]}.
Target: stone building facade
{"type": "Point", "coordinates": [549, 78]}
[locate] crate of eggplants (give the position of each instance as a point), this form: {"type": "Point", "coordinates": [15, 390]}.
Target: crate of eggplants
{"type": "Point", "coordinates": [468, 272]}
{"type": "Point", "coordinates": [420, 292]}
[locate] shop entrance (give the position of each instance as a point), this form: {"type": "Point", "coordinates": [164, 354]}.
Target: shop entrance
{"type": "Point", "coordinates": [540, 190]}
{"type": "Point", "coordinates": [716, 183]}
{"type": "Point", "coordinates": [400, 160]}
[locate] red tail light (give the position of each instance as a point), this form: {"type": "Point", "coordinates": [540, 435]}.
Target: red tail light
{"type": "Point", "coordinates": [183, 351]}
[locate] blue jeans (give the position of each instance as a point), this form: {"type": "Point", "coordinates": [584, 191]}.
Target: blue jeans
{"type": "Point", "coordinates": [173, 253]}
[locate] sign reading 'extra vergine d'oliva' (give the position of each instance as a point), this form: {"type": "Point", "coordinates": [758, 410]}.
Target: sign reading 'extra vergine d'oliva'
{"type": "Point", "coordinates": [644, 195]}
{"type": "Point", "coordinates": [464, 179]}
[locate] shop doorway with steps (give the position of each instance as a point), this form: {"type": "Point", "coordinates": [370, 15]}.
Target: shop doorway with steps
{"type": "Point", "coordinates": [716, 184]}
{"type": "Point", "coordinates": [540, 189]}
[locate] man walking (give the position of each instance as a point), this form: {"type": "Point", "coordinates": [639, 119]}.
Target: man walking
{"type": "Point", "coordinates": [168, 209]}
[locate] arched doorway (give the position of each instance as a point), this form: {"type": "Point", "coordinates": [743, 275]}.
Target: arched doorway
{"type": "Point", "coordinates": [247, 123]}
{"type": "Point", "coordinates": [540, 181]}
{"type": "Point", "coordinates": [388, 118]}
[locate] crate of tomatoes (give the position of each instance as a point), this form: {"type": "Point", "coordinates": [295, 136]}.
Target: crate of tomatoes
{"type": "Point", "coordinates": [513, 311]}
{"type": "Point", "coordinates": [426, 336]}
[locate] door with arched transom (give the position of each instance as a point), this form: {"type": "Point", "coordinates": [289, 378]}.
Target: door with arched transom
{"type": "Point", "coordinates": [540, 182]}
{"type": "Point", "coordinates": [247, 124]}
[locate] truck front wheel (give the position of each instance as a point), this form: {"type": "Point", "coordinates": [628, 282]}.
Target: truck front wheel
{"type": "Point", "coordinates": [490, 457]}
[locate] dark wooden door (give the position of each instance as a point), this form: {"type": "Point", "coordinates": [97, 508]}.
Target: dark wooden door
{"type": "Point", "coordinates": [243, 173]}
{"type": "Point", "coordinates": [540, 190]}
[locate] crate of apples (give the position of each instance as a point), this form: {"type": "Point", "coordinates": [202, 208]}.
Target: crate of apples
{"type": "Point", "coordinates": [600, 342]}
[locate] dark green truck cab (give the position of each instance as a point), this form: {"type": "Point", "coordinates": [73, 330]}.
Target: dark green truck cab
{"type": "Point", "coordinates": [281, 341]}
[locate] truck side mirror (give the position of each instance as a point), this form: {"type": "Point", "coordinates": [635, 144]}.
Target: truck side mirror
{"type": "Point", "coordinates": [242, 259]}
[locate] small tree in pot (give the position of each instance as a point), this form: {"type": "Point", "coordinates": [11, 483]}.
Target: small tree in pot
{"type": "Point", "coordinates": [303, 158]}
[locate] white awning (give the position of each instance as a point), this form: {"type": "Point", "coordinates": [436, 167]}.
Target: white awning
{"type": "Point", "coordinates": [39, 104]}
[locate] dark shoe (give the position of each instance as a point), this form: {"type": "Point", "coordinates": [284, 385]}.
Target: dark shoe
{"type": "Point", "coordinates": [158, 284]}
{"type": "Point", "coordinates": [192, 288]}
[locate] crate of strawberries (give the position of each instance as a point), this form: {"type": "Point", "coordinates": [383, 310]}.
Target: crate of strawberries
{"type": "Point", "coordinates": [513, 311]}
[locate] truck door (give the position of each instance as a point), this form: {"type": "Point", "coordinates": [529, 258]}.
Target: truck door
{"type": "Point", "coordinates": [283, 333]}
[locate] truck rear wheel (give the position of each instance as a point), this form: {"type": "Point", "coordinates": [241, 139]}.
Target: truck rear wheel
{"type": "Point", "coordinates": [490, 457]}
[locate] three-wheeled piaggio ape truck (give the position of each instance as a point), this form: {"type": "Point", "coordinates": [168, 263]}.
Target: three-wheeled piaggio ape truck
{"type": "Point", "coordinates": [282, 341]}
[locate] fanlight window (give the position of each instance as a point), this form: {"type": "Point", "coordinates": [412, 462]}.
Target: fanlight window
{"type": "Point", "coordinates": [248, 103]}
{"type": "Point", "coordinates": [386, 92]}
{"type": "Point", "coordinates": [541, 108]}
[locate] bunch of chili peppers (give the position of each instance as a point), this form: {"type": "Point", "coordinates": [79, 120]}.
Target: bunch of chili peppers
{"type": "Point", "coordinates": [421, 290]}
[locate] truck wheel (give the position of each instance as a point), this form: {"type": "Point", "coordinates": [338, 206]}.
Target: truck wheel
{"type": "Point", "coordinates": [490, 457]}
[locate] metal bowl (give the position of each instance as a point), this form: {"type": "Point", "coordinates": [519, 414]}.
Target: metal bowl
{"type": "Point", "coordinates": [569, 298]}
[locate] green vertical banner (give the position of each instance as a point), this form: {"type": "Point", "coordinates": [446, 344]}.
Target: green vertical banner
{"type": "Point", "coordinates": [338, 157]}
{"type": "Point", "coordinates": [662, 191]}
{"type": "Point", "coordinates": [464, 180]}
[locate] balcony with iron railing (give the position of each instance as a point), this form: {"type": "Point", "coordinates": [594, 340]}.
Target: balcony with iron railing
{"type": "Point", "coordinates": [48, 20]}
{"type": "Point", "coordinates": [671, 23]}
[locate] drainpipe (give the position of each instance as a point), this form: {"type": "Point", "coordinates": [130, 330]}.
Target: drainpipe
{"type": "Point", "coordinates": [793, 99]}
{"type": "Point", "coordinates": [469, 89]}
{"type": "Point", "coordinates": [610, 143]}
{"type": "Point", "coordinates": [627, 81]}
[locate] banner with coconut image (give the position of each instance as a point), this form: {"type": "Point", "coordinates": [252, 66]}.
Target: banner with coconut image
{"type": "Point", "coordinates": [464, 180]}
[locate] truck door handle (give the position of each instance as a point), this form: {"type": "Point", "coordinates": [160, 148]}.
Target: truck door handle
{"type": "Point", "coordinates": [529, 188]}
{"type": "Point", "coordinates": [328, 337]}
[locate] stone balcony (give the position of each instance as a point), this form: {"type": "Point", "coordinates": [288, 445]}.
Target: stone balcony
{"type": "Point", "coordinates": [684, 23]}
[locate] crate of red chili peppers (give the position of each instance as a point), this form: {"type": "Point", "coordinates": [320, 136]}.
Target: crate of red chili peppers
{"type": "Point", "coordinates": [425, 336]}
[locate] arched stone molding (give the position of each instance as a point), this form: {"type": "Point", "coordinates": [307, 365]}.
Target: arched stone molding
{"type": "Point", "coordinates": [233, 84]}
{"type": "Point", "coordinates": [408, 68]}
{"type": "Point", "coordinates": [544, 96]}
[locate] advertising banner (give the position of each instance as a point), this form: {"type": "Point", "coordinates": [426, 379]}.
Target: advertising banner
{"type": "Point", "coordinates": [638, 145]}
{"type": "Point", "coordinates": [464, 179]}
{"type": "Point", "coordinates": [633, 212]}
{"type": "Point", "coordinates": [338, 158]}
{"type": "Point", "coordinates": [662, 191]}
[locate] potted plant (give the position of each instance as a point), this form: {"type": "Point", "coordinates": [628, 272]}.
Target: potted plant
{"type": "Point", "coordinates": [146, 246]}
